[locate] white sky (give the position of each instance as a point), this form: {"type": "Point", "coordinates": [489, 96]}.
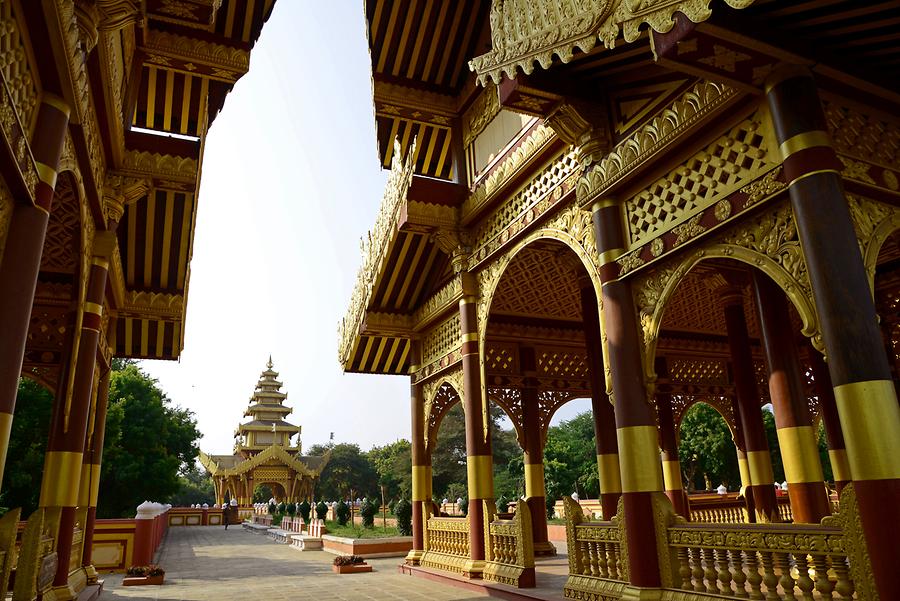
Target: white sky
{"type": "Point", "coordinates": [291, 182]}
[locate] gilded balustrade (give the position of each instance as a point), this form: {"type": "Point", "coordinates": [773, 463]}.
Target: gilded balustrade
{"type": "Point", "coordinates": [509, 548]}
{"type": "Point", "coordinates": [762, 561]}
{"type": "Point", "coordinates": [598, 562]}
{"type": "Point", "coordinates": [446, 543]}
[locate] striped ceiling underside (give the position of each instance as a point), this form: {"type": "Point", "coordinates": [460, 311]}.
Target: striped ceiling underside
{"type": "Point", "coordinates": [424, 44]}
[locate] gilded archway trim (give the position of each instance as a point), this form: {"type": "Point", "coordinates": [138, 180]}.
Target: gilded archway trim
{"type": "Point", "coordinates": [873, 245]}
{"type": "Point", "coordinates": [437, 407]}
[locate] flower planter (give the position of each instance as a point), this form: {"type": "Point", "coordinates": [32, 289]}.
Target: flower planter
{"type": "Point", "coordinates": [355, 568]}
{"type": "Point", "coordinates": [142, 580]}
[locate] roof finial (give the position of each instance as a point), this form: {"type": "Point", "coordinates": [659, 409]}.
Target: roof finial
{"type": "Point", "coordinates": [269, 364]}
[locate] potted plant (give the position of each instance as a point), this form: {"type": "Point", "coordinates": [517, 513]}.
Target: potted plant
{"type": "Point", "coordinates": [349, 564]}
{"type": "Point", "coordinates": [141, 575]}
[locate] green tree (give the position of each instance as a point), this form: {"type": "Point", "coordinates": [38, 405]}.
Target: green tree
{"type": "Point", "coordinates": [194, 486]}
{"type": "Point", "coordinates": [348, 469]}
{"type": "Point", "coordinates": [149, 443]}
{"type": "Point", "coordinates": [27, 446]}
{"type": "Point", "coordinates": [706, 449]}
{"type": "Point", "coordinates": [570, 459]}
{"type": "Point", "coordinates": [393, 464]}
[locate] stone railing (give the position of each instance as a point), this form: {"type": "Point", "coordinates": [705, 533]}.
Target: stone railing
{"type": "Point", "coordinates": [731, 510]}
{"type": "Point", "coordinates": [508, 547]}
{"type": "Point", "coordinates": [598, 562]}
{"type": "Point", "coordinates": [762, 561]}
{"type": "Point", "coordinates": [446, 543]}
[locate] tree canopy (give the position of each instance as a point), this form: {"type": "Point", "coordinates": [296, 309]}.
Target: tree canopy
{"type": "Point", "coordinates": [27, 445]}
{"type": "Point", "coordinates": [348, 469]}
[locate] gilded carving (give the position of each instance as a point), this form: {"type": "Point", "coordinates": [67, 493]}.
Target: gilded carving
{"type": "Point", "coordinates": [764, 187]}
{"type": "Point", "coordinates": [479, 114]}
{"type": "Point", "coordinates": [722, 210]}
{"type": "Point", "coordinates": [523, 32]}
{"type": "Point", "coordinates": [165, 44]}
{"type": "Point", "coordinates": [689, 229]}
{"type": "Point", "coordinates": [870, 138]}
{"type": "Point", "coordinates": [15, 66]}
{"type": "Point", "coordinates": [144, 164]}
{"type": "Point", "coordinates": [873, 222]}
{"type": "Point", "coordinates": [439, 302]}
{"type": "Point", "coordinates": [648, 141]}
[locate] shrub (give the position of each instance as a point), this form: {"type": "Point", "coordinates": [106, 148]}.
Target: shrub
{"type": "Point", "coordinates": [141, 571]}
{"type": "Point", "coordinates": [272, 508]}
{"type": "Point", "coordinates": [343, 513]}
{"type": "Point", "coordinates": [303, 508]}
{"type": "Point", "coordinates": [347, 560]}
{"type": "Point", "coordinates": [367, 510]}
{"type": "Point", "coordinates": [291, 509]}
{"type": "Point", "coordinates": [502, 503]}
{"type": "Point", "coordinates": [281, 508]}
{"type": "Point", "coordinates": [321, 510]}
{"type": "Point", "coordinates": [551, 507]}
{"type": "Point", "coordinates": [403, 511]}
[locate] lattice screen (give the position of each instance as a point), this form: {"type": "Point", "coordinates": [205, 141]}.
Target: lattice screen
{"type": "Point", "coordinates": [562, 363]}
{"type": "Point", "coordinates": [726, 164]}
{"type": "Point", "coordinates": [441, 339]}
{"type": "Point", "coordinates": [698, 371]}
{"type": "Point", "coordinates": [538, 283]}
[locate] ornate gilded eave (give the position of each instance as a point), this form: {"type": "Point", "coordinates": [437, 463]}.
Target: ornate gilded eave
{"type": "Point", "coordinates": [272, 452]}
{"type": "Point", "coordinates": [374, 250]}
{"type": "Point", "coordinates": [195, 56]}
{"type": "Point", "coordinates": [524, 33]}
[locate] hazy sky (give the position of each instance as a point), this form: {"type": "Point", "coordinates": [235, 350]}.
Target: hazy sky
{"type": "Point", "coordinates": [291, 182]}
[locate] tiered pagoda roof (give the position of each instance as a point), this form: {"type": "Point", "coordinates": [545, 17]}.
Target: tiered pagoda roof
{"type": "Point", "coordinates": [267, 411]}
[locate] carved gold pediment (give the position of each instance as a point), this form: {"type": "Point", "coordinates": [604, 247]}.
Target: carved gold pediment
{"type": "Point", "coordinates": [526, 32]}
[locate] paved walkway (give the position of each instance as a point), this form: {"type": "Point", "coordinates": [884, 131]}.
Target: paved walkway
{"type": "Point", "coordinates": [205, 563]}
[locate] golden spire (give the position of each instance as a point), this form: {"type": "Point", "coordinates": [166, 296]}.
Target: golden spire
{"type": "Point", "coordinates": [269, 364]}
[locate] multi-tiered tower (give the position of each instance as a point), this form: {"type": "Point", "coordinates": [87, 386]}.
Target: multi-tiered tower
{"type": "Point", "coordinates": [268, 425]}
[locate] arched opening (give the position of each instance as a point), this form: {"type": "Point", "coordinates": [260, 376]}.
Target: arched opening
{"type": "Point", "coordinates": [736, 384]}
{"type": "Point", "coordinates": [262, 493]}
{"type": "Point", "coordinates": [887, 300]}
{"type": "Point", "coordinates": [541, 349]}
{"type": "Point", "coordinates": [275, 489]}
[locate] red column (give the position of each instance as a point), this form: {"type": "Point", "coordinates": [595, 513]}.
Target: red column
{"type": "Point", "coordinates": [601, 407]}
{"type": "Point", "coordinates": [669, 447]}
{"type": "Point", "coordinates": [761, 491]}
{"type": "Point", "coordinates": [22, 258]}
{"type": "Point", "coordinates": [479, 459]}
{"type": "Point", "coordinates": [91, 469]}
{"type": "Point", "coordinates": [635, 419]}
{"type": "Point", "coordinates": [837, 450]}
{"type": "Point", "coordinates": [799, 451]}
{"type": "Point", "coordinates": [421, 468]}
{"type": "Point", "coordinates": [535, 492]}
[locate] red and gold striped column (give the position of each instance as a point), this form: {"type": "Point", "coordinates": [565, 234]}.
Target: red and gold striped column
{"type": "Point", "coordinates": [22, 258]}
{"type": "Point", "coordinates": [837, 450]}
{"type": "Point", "coordinates": [635, 419]}
{"type": "Point", "coordinates": [535, 491]}
{"type": "Point", "coordinates": [865, 395]}
{"type": "Point", "coordinates": [740, 449]}
{"type": "Point", "coordinates": [479, 459]}
{"type": "Point", "coordinates": [758, 469]}
{"type": "Point", "coordinates": [601, 408]}
{"type": "Point", "coordinates": [421, 468]}
{"type": "Point", "coordinates": [671, 466]}
{"type": "Point", "coordinates": [68, 428]}
{"type": "Point", "coordinates": [89, 489]}
{"type": "Point", "coordinates": [796, 436]}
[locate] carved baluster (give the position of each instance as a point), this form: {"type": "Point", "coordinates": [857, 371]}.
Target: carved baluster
{"type": "Point", "coordinates": [612, 561]}
{"type": "Point", "coordinates": [770, 579]}
{"type": "Point", "coordinates": [844, 585]}
{"type": "Point", "coordinates": [595, 558]}
{"type": "Point", "coordinates": [824, 586]}
{"type": "Point", "coordinates": [709, 572]}
{"type": "Point", "coordinates": [684, 568]}
{"type": "Point", "coordinates": [722, 573]}
{"type": "Point", "coordinates": [786, 581]}
{"type": "Point", "coordinates": [736, 561]}
{"type": "Point", "coordinates": [585, 558]}
{"type": "Point", "coordinates": [804, 582]}
{"type": "Point", "coordinates": [754, 578]}
{"type": "Point", "coordinates": [697, 571]}
{"type": "Point", "coordinates": [601, 559]}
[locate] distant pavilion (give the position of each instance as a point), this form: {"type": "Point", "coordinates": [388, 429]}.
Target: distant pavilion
{"type": "Point", "coordinates": [263, 453]}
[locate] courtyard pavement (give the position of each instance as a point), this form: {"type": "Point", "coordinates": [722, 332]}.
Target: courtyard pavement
{"type": "Point", "coordinates": [205, 563]}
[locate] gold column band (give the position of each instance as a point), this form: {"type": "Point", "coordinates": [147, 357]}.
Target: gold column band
{"type": "Point", "coordinates": [610, 477]}
{"type": "Point", "coordinates": [800, 455]}
{"type": "Point", "coordinates": [57, 103]}
{"type": "Point", "coordinates": [534, 480]}
{"type": "Point", "coordinates": [760, 464]}
{"type": "Point", "coordinates": [6, 420]}
{"type": "Point", "coordinates": [840, 467]}
{"type": "Point", "coordinates": [639, 459]}
{"type": "Point", "coordinates": [807, 139]}
{"type": "Point", "coordinates": [468, 300]}
{"type": "Point", "coordinates": [100, 262]}
{"type": "Point", "coordinates": [744, 469]}
{"type": "Point", "coordinates": [671, 470]}
{"type": "Point", "coordinates": [94, 308]}
{"type": "Point", "coordinates": [870, 420]}
{"type": "Point", "coordinates": [602, 204]}
{"type": "Point", "coordinates": [480, 471]}
{"type": "Point", "coordinates": [608, 256]}
{"type": "Point", "coordinates": [469, 337]}
{"type": "Point", "coordinates": [62, 475]}
{"type": "Point", "coordinates": [89, 489]}
{"type": "Point", "coordinates": [421, 482]}
{"type": "Point", "coordinates": [46, 173]}
{"type": "Point", "coordinates": [810, 174]}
